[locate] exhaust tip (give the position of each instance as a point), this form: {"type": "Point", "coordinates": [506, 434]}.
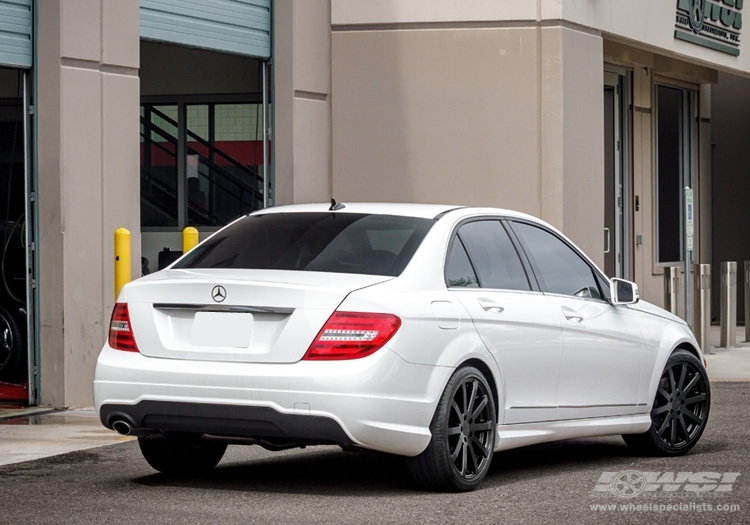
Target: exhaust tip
{"type": "Point", "coordinates": [121, 427]}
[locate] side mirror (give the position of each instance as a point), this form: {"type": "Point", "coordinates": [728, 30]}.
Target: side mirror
{"type": "Point", "coordinates": [623, 292]}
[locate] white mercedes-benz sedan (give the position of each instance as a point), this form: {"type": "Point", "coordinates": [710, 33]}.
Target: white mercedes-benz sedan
{"type": "Point", "coordinates": [438, 333]}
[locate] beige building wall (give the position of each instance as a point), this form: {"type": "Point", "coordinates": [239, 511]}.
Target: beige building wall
{"type": "Point", "coordinates": [648, 23]}
{"type": "Point", "coordinates": [494, 116]}
{"type": "Point", "coordinates": [302, 101]}
{"type": "Point", "coordinates": [87, 148]}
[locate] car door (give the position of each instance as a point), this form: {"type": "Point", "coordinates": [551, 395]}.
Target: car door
{"type": "Point", "coordinates": [518, 324]}
{"type": "Point", "coordinates": [603, 348]}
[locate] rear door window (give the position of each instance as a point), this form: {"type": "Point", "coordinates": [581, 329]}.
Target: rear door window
{"type": "Point", "coordinates": [459, 273]}
{"type": "Point", "coordinates": [492, 256]}
{"type": "Point", "coordinates": [320, 242]}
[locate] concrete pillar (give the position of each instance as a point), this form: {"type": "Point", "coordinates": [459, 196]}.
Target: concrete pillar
{"type": "Point", "coordinates": [302, 101]}
{"type": "Point", "coordinates": [571, 128]}
{"type": "Point", "coordinates": [88, 166]}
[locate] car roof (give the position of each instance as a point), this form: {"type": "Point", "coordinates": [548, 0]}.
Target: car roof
{"type": "Point", "coordinates": [428, 211]}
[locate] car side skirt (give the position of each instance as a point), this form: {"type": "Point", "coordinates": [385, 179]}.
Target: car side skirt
{"type": "Point", "coordinates": [521, 435]}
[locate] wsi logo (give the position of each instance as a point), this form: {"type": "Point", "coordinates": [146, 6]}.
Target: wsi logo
{"type": "Point", "coordinates": [631, 483]}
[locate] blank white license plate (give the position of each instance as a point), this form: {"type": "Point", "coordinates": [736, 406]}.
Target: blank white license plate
{"type": "Point", "coordinates": [222, 329]}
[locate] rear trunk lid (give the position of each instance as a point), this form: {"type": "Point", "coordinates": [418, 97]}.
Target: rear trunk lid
{"type": "Point", "coordinates": [259, 316]}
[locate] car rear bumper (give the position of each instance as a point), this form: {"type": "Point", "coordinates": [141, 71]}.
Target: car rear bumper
{"type": "Point", "coordinates": [380, 402]}
{"type": "Point", "coordinates": [262, 424]}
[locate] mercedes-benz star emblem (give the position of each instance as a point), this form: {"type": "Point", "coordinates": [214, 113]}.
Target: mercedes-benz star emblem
{"type": "Point", "coordinates": [219, 293]}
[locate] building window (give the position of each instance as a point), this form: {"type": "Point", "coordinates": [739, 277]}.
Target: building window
{"type": "Point", "coordinates": [201, 163]}
{"type": "Point", "coordinates": [674, 153]}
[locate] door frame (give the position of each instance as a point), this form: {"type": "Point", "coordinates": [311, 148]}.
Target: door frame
{"type": "Point", "coordinates": [619, 80]}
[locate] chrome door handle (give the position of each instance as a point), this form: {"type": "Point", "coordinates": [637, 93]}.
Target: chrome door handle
{"type": "Point", "coordinates": [571, 315]}
{"type": "Point", "coordinates": [490, 306]}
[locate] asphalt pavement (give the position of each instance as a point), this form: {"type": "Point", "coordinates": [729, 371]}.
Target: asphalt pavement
{"type": "Point", "coordinates": [576, 481]}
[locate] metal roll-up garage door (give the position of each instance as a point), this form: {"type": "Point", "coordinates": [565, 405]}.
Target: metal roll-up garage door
{"type": "Point", "coordinates": [15, 33]}
{"type": "Point", "coordinates": [234, 26]}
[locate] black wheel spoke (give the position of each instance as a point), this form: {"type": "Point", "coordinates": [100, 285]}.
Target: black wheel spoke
{"type": "Point", "coordinates": [472, 398]}
{"type": "Point", "coordinates": [456, 451]}
{"type": "Point", "coordinates": [479, 408]}
{"type": "Point", "coordinates": [673, 433]}
{"type": "Point", "coordinates": [683, 427]}
{"type": "Point", "coordinates": [660, 410]}
{"type": "Point", "coordinates": [663, 393]}
{"type": "Point", "coordinates": [672, 385]}
{"type": "Point", "coordinates": [481, 447]}
{"type": "Point", "coordinates": [452, 431]}
{"type": "Point", "coordinates": [456, 409]}
{"type": "Point", "coordinates": [464, 458]}
{"type": "Point", "coordinates": [481, 427]}
{"type": "Point", "coordinates": [473, 458]}
{"type": "Point", "coordinates": [692, 383]}
{"type": "Point", "coordinates": [695, 417]}
{"type": "Point", "coordinates": [695, 399]}
{"type": "Point", "coordinates": [664, 426]}
{"type": "Point", "coordinates": [683, 374]}
{"type": "Point", "coordinates": [465, 399]}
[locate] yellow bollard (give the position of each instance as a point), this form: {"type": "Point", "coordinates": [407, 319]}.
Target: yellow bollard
{"type": "Point", "coordinates": [122, 259]}
{"type": "Point", "coordinates": [189, 239]}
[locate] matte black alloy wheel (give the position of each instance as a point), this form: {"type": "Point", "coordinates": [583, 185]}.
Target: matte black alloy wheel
{"type": "Point", "coordinates": [470, 428]}
{"type": "Point", "coordinates": [463, 435]}
{"type": "Point", "coordinates": [681, 405]}
{"type": "Point", "coordinates": [680, 410]}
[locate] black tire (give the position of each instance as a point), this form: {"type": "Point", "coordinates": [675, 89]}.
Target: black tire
{"type": "Point", "coordinates": [13, 356]}
{"type": "Point", "coordinates": [181, 456]}
{"type": "Point", "coordinates": [463, 436]}
{"type": "Point", "coordinates": [680, 410]}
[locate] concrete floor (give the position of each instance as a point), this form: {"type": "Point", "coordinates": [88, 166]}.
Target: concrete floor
{"type": "Point", "coordinates": [39, 436]}
{"type": "Point", "coordinates": [728, 364]}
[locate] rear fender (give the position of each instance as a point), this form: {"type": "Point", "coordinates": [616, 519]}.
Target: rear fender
{"type": "Point", "coordinates": [421, 340]}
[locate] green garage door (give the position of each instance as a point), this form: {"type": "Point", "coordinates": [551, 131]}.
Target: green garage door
{"type": "Point", "coordinates": [234, 26]}
{"type": "Point", "coordinates": [15, 33]}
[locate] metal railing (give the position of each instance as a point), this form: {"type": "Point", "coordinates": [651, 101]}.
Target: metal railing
{"type": "Point", "coordinates": [245, 194]}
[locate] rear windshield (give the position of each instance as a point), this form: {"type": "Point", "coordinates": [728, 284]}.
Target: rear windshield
{"type": "Point", "coordinates": [315, 242]}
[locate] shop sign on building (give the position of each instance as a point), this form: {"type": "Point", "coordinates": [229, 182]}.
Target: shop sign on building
{"type": "Point", "coordinates": [715, 24]}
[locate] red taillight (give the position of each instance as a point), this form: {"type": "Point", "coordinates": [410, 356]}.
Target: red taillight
{"type": "Point", "coordinates": [351, 335]}
{"type": "Point", "coordinates": [120, 332]}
